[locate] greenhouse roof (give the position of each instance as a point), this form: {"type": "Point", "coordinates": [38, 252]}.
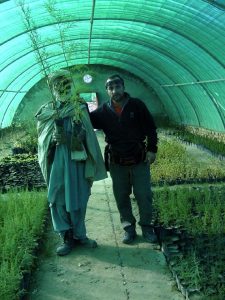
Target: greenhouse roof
{"type": "Point", "coordinates": [175, 46]}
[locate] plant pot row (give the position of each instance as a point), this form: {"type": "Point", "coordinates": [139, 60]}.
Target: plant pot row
{"type": "Point", "coordinates": [177, 244]}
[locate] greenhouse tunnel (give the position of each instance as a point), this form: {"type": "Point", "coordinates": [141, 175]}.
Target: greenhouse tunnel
{"type": "Point", "coordinates": [170, 53]}
{"type": "Point", "coordinates": [57, 157]}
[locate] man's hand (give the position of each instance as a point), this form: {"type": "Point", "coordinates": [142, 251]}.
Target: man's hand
{"type": "Point", "coordinates": [150, 157]}
{"type": "Point", "coordinates": [55, 115]}
{"type": "Point", "coordinates": [59, 138]}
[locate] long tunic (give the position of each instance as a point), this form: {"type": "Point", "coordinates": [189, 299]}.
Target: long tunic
{"type": "Point", "coordinates": [66, 176]}
{"type": "Point", "coordinates": [67, 183]}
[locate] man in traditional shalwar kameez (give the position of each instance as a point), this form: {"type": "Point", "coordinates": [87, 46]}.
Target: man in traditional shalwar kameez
{"type": "Point", "coordinates": [70, 159]}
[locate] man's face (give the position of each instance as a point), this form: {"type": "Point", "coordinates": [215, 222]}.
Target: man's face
{"type": "Point", "coordinates": [115, 90]}
{"type": "Point", "coordinates": [63, 89]}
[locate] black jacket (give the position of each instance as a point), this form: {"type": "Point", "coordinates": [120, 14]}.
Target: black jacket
{"type": "Point", "coordinates": [126, 131]}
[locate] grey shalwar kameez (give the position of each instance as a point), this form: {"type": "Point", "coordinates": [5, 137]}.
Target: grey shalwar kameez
{"type": "Point", "coordinates": [69, 181]}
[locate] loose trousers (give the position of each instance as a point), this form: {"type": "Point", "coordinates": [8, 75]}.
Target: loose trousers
{"type": "Point", "coordinates": [63, 220]}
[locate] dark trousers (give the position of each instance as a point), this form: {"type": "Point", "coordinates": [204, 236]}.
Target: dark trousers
{"type": "Point", "coordinates": [136, 179]}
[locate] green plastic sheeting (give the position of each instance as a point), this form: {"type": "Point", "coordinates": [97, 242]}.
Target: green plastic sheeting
{"type": "Point", "coordinates": [175, 47]}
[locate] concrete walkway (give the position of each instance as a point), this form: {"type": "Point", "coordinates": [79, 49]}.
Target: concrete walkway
{"type": "Point", "coordinates": [112, 271]}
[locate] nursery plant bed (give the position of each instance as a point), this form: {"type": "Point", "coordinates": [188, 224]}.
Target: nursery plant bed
{"type": "Point", "coordinates": [20, 171]}
{"type": "Point", "coordinates": [22, 222]}
{"type": "Point", "coordinates": [195, 250]}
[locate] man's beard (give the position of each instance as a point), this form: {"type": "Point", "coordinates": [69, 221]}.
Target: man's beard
{"type": "Point", "coordinates": [64, 97]}
{"type": "Point", "coordinates": [117, 98]}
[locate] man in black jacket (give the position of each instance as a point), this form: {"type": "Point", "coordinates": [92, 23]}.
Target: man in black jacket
{"type": "Point", "coordinates": [131, 137]}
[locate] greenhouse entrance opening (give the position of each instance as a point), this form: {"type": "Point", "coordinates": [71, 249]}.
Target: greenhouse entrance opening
{"type": "Point", "coordinates": [91, 99]}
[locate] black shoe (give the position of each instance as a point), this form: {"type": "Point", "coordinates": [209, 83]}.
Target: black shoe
{"type": "Point", "coordinates": [129, 235]}
{"type": "Point", "coordinates": [149, 236]}
{"type": "Point", "coordinates": [67, 245]}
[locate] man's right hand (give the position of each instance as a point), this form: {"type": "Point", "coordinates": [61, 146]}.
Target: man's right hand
{"type": "Point", "coordinates": [150, 157]}
{"type": "Point", "coordinates": [59, 138]}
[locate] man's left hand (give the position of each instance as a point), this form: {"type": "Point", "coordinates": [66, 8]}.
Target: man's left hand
{"type": "Point", "coordinates": [150, 157]}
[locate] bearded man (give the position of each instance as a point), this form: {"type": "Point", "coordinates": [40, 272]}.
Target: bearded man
{"type": "Point", "coordinates": [70, 159]}
{"type": "Point", "coordinates": [131, 137]}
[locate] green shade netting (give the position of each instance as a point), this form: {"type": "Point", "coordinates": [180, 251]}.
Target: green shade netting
{"type": "Point", "coordinates": [176, 47]}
